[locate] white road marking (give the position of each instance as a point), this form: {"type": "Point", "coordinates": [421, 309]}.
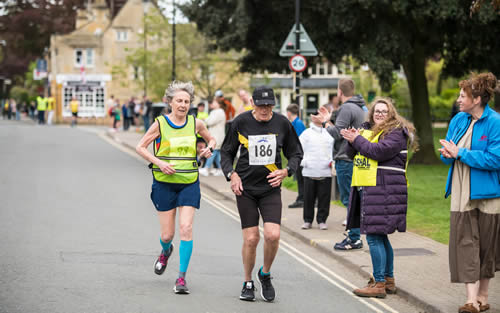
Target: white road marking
{"type": "Point", "coordinates": [289, 249]}
{"type": "Point", "coordinates": [307, 261]}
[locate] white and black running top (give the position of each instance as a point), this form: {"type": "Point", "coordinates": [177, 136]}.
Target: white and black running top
{"type": "Point", "coordinates": [261, 144]}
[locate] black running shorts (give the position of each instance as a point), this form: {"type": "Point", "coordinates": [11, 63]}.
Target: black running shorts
{"type": "Point", "coordinates": [251, 203]}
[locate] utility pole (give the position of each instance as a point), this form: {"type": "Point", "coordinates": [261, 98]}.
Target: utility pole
{"type": "Point", "coordinates": [297, 51]}
{"type": "Point", "coordinates": [173, 41]}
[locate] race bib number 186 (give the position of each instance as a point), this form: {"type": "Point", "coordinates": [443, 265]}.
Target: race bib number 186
{"type": "Point", "coordinates": [262, 149]}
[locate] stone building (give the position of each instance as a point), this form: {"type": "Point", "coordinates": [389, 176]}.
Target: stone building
{"type": "Point", "coordinates": [81, 62]}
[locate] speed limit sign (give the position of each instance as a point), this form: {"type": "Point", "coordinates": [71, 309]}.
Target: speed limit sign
{"type": "Point", "coordinates": [297, 63]}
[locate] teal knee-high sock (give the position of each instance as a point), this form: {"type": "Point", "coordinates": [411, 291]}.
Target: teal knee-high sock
{"type": "Point", "coordinates": [185, 251]}
{"type": "Point", "coordinates": [165, 245]}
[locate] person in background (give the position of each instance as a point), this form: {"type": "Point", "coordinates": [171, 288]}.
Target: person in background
{"type": "Point", "coordinates": [146, 112]}
{"type": "Point", "coordinates": [379, 192]}
{"type": "Point", "coordinates": [41, 107]}
{"type": "Point", "coordinates": [110, 103]}
{"type": "Point", "coordinates": [247, 102]}
{"type": "Point", "coordinates": [351, 114]}
{"type": "Point", "coordinates": [136, 113]}
{"type": "Point", "coordinates": [130, 112]}
{"type": "Point", "coordinates": [116, 110]}
{"type": "Point", "coordinates": [201, 114]}
{"type": "Point", "coordinates": [32, 109]}
{"type": "Point", "coordinates": [74, 106]}
{"type": "Point", "coordinates": [50, 109]}
{"type": "Point", "coordinates": [292, 113]}
{"type": "Point", "coordinates": [226, 105]}
{"type": "Point", "coordinates": [472, 149]}
{"type": "Point", "coordinates": [334, 106]}
{"type": "Point", "coordinates": [215, 122]}
{"type": "Point", "coordinates": [125, 115]}
{"type": "Point", "coordinates": [317, 174]}
{"type": "Point", "coordinates": [14, 109]}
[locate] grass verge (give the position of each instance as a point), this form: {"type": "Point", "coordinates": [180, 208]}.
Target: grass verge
{"type": "Point", "coordinates": [428, 210]}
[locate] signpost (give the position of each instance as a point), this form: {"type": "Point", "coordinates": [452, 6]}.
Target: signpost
{"type": "Point", "coordinates": [297, 45]}
{"type": "Point", "coordinates": [297, 63]}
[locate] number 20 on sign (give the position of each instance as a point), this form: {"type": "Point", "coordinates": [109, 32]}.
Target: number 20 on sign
{"type": "Point", "coordinates": [297, 63]}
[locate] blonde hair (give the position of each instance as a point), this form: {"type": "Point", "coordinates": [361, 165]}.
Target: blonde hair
{"type": "Point", "coordinates": [392, 121]}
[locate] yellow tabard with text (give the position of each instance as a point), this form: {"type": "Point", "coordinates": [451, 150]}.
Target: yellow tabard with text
{"type": "Point", "coordinates": [364, 170]}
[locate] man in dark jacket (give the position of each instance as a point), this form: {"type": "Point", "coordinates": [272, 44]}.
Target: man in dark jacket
{"type": "Point", "coordinates": [352, 114]}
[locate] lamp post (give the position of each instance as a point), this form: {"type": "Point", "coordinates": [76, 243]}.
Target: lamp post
{"type": "Point", "coordinates": [145, 6]}
{"type": "Point", "coordinates": [173, 41]}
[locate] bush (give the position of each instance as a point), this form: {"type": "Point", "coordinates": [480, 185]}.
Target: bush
{"type": "Point", "coordinates": [441, 105]}
{"type": "Point", "coordinates": [20, 94]}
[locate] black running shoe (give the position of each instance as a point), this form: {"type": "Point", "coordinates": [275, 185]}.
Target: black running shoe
{"type": "Point", "coordinates": [181, 286]}
{"type": "Point", "coordinates": [161, 262]}
{"type": "Point", "coordinates": [248, 291]}
{"type": "Point", "coordinates": [348, 244]}
{"type": "Point", "coordinates": [266, 287]}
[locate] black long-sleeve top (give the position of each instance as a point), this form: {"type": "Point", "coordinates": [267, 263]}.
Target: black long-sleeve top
{"type": "Point", "coordinates": [254, 176]}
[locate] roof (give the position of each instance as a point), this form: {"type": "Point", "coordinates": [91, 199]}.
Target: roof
{"type": "Point", "coordinates": [287, 83]}
{"type": "Point", "coordinates": [115, 6]}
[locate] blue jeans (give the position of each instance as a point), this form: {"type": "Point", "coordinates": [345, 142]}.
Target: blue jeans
{"type": "Point", "coordinates": [344, 178]}
{"type": "Point", "coordinates": [382, 256]}
{"type": "Point", "coordinates": [215, 157]}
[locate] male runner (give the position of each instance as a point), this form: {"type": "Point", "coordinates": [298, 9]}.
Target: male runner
{"type": "Point", "coordinates": [261, 135]}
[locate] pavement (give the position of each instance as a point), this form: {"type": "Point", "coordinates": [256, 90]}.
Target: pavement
{"type": "Point", "coordinates": [420, 265]}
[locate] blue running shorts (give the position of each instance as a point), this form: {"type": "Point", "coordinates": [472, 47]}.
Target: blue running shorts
{"type": "Point", "coordinates": [167, 196]}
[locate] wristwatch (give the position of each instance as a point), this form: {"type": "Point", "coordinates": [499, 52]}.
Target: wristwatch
{"type": "Point", "coordinates": [229, 175]}
{"type": "Point", "coordinates": [211, 149]}
{"type": "Point", "coordinates": [323, 124]}
{"type": "Point", "coordinates": [289, 171]}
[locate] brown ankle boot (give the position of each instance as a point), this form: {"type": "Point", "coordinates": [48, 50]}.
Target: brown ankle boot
{"type": "Point", "coordinates": [373, 290]}
{"type": "Point", "coordinates": [390, 285]}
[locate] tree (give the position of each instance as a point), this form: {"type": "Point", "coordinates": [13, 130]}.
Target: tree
{"type": "Point", "coordinates": [26, 27]}
{"type": "Point", "coordinates": [207, 68]}
{"type": "Point", "coordinates": [385, 34]}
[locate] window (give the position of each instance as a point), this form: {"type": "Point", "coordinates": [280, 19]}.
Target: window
{"type": "Point", "coordinates": [84, 57]}
{"type": "Point", "coordinates": [78, 57]}
{"type": "Point", "coordinates": [90, 57]}
{"type": "Point", "coordinates": [121, 35]}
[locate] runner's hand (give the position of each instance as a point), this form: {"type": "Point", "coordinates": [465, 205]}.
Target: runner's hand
{"type": "Point", "coordinates": [166, 168]}
{"type": "Point", "coordinates": [236, 185]}
{"type": "Point", "coordinates": [275, 178]}
{"type": "Point", "coordinates": [205, 153]}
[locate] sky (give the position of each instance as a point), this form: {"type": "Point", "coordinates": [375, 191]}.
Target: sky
{"type": "Point", "coordinates": [167, 5]}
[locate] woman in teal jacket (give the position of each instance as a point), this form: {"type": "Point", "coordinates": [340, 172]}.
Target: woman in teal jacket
{"type": "Point", "coordinates": [472, 148]}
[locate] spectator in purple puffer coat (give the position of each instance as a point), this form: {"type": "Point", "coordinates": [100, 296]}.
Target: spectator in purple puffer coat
{"type": "Point", "coordinates": [378, 204]}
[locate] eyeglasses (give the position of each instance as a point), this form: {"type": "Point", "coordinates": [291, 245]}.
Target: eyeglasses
{"type": "Point", "coordinates": [383, 112]}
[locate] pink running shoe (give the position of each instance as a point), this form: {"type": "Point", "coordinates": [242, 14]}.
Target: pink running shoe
{"type": "Point", "coordinates": [161, 262]}
{"type": "Point", "coordinates": [180, 286]}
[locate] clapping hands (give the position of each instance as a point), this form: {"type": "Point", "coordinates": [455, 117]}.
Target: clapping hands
{"type": "Point", "coordinates": [349, 134]}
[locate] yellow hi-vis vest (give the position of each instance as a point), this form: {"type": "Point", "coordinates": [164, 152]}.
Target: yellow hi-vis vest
{"type": "Point", "coordinates": [42, 103]}
{"type": "Point", "coordinates": [177, 146]}
{"type": "Point", "coordinates": [364, 170]}
{"type": "Point", "coordinates": [50, 102]}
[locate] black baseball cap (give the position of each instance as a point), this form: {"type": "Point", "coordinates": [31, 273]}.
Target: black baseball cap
{"type": "Point", "coordinates": [263, 95]}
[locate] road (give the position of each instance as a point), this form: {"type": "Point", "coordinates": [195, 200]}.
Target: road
{"type": "Point", "coordinates": [79, 234]}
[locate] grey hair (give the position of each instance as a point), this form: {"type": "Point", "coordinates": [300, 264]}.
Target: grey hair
{"type": "Point", "coordinates": [179, 86]}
